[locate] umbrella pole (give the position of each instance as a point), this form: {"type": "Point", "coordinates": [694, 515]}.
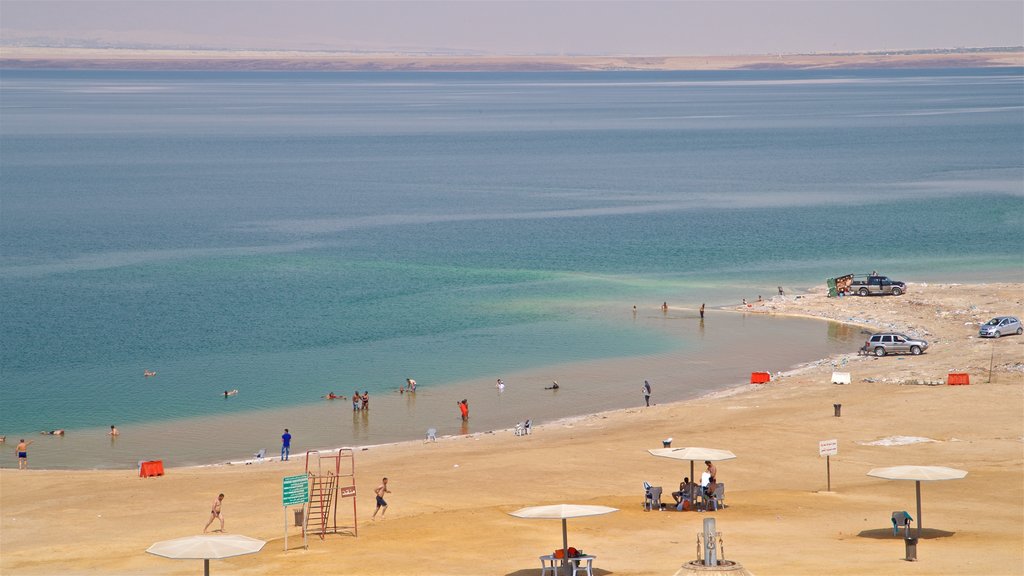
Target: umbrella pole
{"type": "Point", "coordinates": [918, 508]}
{"type": "Point", "coordinates": [206, 567]}
{"type": "Point", "coordinates": [692, 479]}
{"type": "Point", "coordinates": [565, 548]}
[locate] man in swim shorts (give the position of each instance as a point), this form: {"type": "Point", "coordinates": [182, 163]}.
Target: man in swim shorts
{"type": "Point", "coordinates": [215, 514]}
{"type": "Point", "coordinates": [22, 450]}
{"type": "Point", "coordinates": [380, 491]}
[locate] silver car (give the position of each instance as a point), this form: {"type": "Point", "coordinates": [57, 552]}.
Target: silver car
{"type": "Point", "coordinates": [1000, 326]}
{"type": "Point", "coordinates": [894, 343]}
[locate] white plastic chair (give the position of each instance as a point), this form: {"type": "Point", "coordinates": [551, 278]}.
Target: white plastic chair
{"type": "Point", "coordinates": [716, 501]}
{"type": "Point", "coordinates": [259, 456]}
{"type": "Point", "coordinates": [520, 428]}
{"type": "Point", "coordinates": [431, 435]}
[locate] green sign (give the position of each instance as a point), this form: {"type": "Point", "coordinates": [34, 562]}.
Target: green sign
{"type": "Point", "coordinates": [295, 490]}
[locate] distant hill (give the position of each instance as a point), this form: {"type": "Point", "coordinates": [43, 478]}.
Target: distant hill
{"type": "Point", "coordinates": [20, 57]}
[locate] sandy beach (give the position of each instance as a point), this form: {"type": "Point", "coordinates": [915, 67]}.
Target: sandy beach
{"type": "Point", "coordinates": [450, 499]}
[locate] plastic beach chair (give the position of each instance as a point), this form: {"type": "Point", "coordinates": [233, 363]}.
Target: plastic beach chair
{"type": "Point", "coordinates": [652, 497]}
{"type": "Point", "coordinates": [259, 456]}
{"type": "Point", "coordinates": [717, 500]}
{"type": "Point", "coordinates": [522, 428]}
{"type": "Point", "coordinates": [900, 520]}
{"type": "Point", "coordinates": [431, 435]}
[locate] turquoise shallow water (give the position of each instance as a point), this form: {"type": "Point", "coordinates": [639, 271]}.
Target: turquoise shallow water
{"type": "Point", "coordinates": [287, 234]}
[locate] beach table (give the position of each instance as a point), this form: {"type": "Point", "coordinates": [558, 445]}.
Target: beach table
{"type": "Point", "coordinates": [575, 562]}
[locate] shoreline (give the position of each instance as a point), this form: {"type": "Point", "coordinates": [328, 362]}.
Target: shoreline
{"type": "Point", "coordinates": [459, 491]}
{"type": "Point", "coordinates": [399, 426]}
{"type": "Point", "coordinates": [19, 57]}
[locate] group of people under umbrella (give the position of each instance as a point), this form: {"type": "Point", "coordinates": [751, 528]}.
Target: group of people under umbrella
{"type": "Point", "coordinates": [695, 454]}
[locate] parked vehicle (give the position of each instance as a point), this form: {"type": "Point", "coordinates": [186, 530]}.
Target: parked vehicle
{"type": "Point", "coordinates": [864, 285]}
{"type": "Point", "coordinates": [1001, 326]}
{"type": "Point", "coordinates": [894, 343]}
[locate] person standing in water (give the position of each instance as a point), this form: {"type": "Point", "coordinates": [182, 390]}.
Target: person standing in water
{"type": "Point", "coordinates": [702, 311]}
{"type": "Point", "coordinates": [647, 393]}
{"type": "Point", "coordinates": [22, 451]}
{"type": "Point", "coordinates": [464, 409]}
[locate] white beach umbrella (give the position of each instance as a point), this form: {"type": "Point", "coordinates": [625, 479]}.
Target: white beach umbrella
{"type": "Point", "coordinates": [206, 547]}
{"type": "Point", "coordinates": [693, 454]}
{"type": "Point", "coordinates": [918, 474]}
{"type": "Point", "coordinates": [562, 512]}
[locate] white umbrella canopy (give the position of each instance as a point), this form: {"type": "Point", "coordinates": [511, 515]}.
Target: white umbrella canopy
{"type": "Point", "coordinates": [206, 547]}
{"type": "Point", "coordinates": [562, 512]}
{"type": "Point", "coordinates": [693, 454]}
{"type": "Point", "coordinates": [918, 474]}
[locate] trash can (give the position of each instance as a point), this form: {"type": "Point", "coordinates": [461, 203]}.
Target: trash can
{"type": "Point", "coordinates": [298, 517]}
{"type": "Point", "coordinates": [838, 408]}
{"type": "Point", "coordinates": [911, 544]}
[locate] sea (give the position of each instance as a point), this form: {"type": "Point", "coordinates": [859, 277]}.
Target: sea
{"type": "Point", "coordinates": [288, 235]}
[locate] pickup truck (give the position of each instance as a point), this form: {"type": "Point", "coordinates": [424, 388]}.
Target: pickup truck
{"type": "Point", "coordinates": [865, 285]}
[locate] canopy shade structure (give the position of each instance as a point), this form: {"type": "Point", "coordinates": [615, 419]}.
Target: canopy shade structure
{"type": "Point", "coordinates": [206, 547]}
{"type": "Point", "coordinates": [918, 474]}
{"type": "Point", "coordinates": [562, 512]}
{"type": "Point", "coordinates": [693, 454]}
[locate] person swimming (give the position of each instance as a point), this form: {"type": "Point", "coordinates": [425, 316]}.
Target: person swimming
{"type": "Point", "coordinates": [148, 373]}
{"type": "Point", "coordinates": [230, 392]}
{"type": "Point", "coordinates": [554, 385]}
{"type": "Point", "coordinates": [333, 396]}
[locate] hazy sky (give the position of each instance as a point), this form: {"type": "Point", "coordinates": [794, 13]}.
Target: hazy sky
{"type": "Point", "coordinates": [680, 27]}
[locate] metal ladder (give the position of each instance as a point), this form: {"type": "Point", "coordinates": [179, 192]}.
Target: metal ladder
{"type": "Point", "coordinates": [321, 500]}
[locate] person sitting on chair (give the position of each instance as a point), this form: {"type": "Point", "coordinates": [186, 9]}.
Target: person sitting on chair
{"type": "Point", "coordinates": [709, 492]}
{"type": "Point", "coordinates": [685, 493]}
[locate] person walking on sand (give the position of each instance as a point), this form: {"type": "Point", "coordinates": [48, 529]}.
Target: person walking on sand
{"type": "Point", "coordinates": [382, 505]}
{"type": "Point", "coordinates": [464, 409]}
{"type": "Point", "coordinates": [22, 451]}
{"type": "Point", "coordinates": [215, 513]}
{"type": "Point", "coordinates": [647, 393]}
{"type": "Point", "coordinates": [286, 445]}
{"type": "Point", "coordinates": [702, 311]}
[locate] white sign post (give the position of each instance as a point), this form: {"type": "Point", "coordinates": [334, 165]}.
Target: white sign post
{"type": "Point", "coordinates": [828, 448]}
{"type": "Point", "coordinates": [295, 490]}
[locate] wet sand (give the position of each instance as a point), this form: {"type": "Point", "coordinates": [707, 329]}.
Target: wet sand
{"type": "Point", "coordinates": [451, 498]}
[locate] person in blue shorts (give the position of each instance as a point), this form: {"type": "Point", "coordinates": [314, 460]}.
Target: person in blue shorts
{"type": "Point", "coordinates": [380, 491]}
{"type": "Point", "coordinates": [22, 451]}
{"type": "Point", "coordinates": [286, 445]}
